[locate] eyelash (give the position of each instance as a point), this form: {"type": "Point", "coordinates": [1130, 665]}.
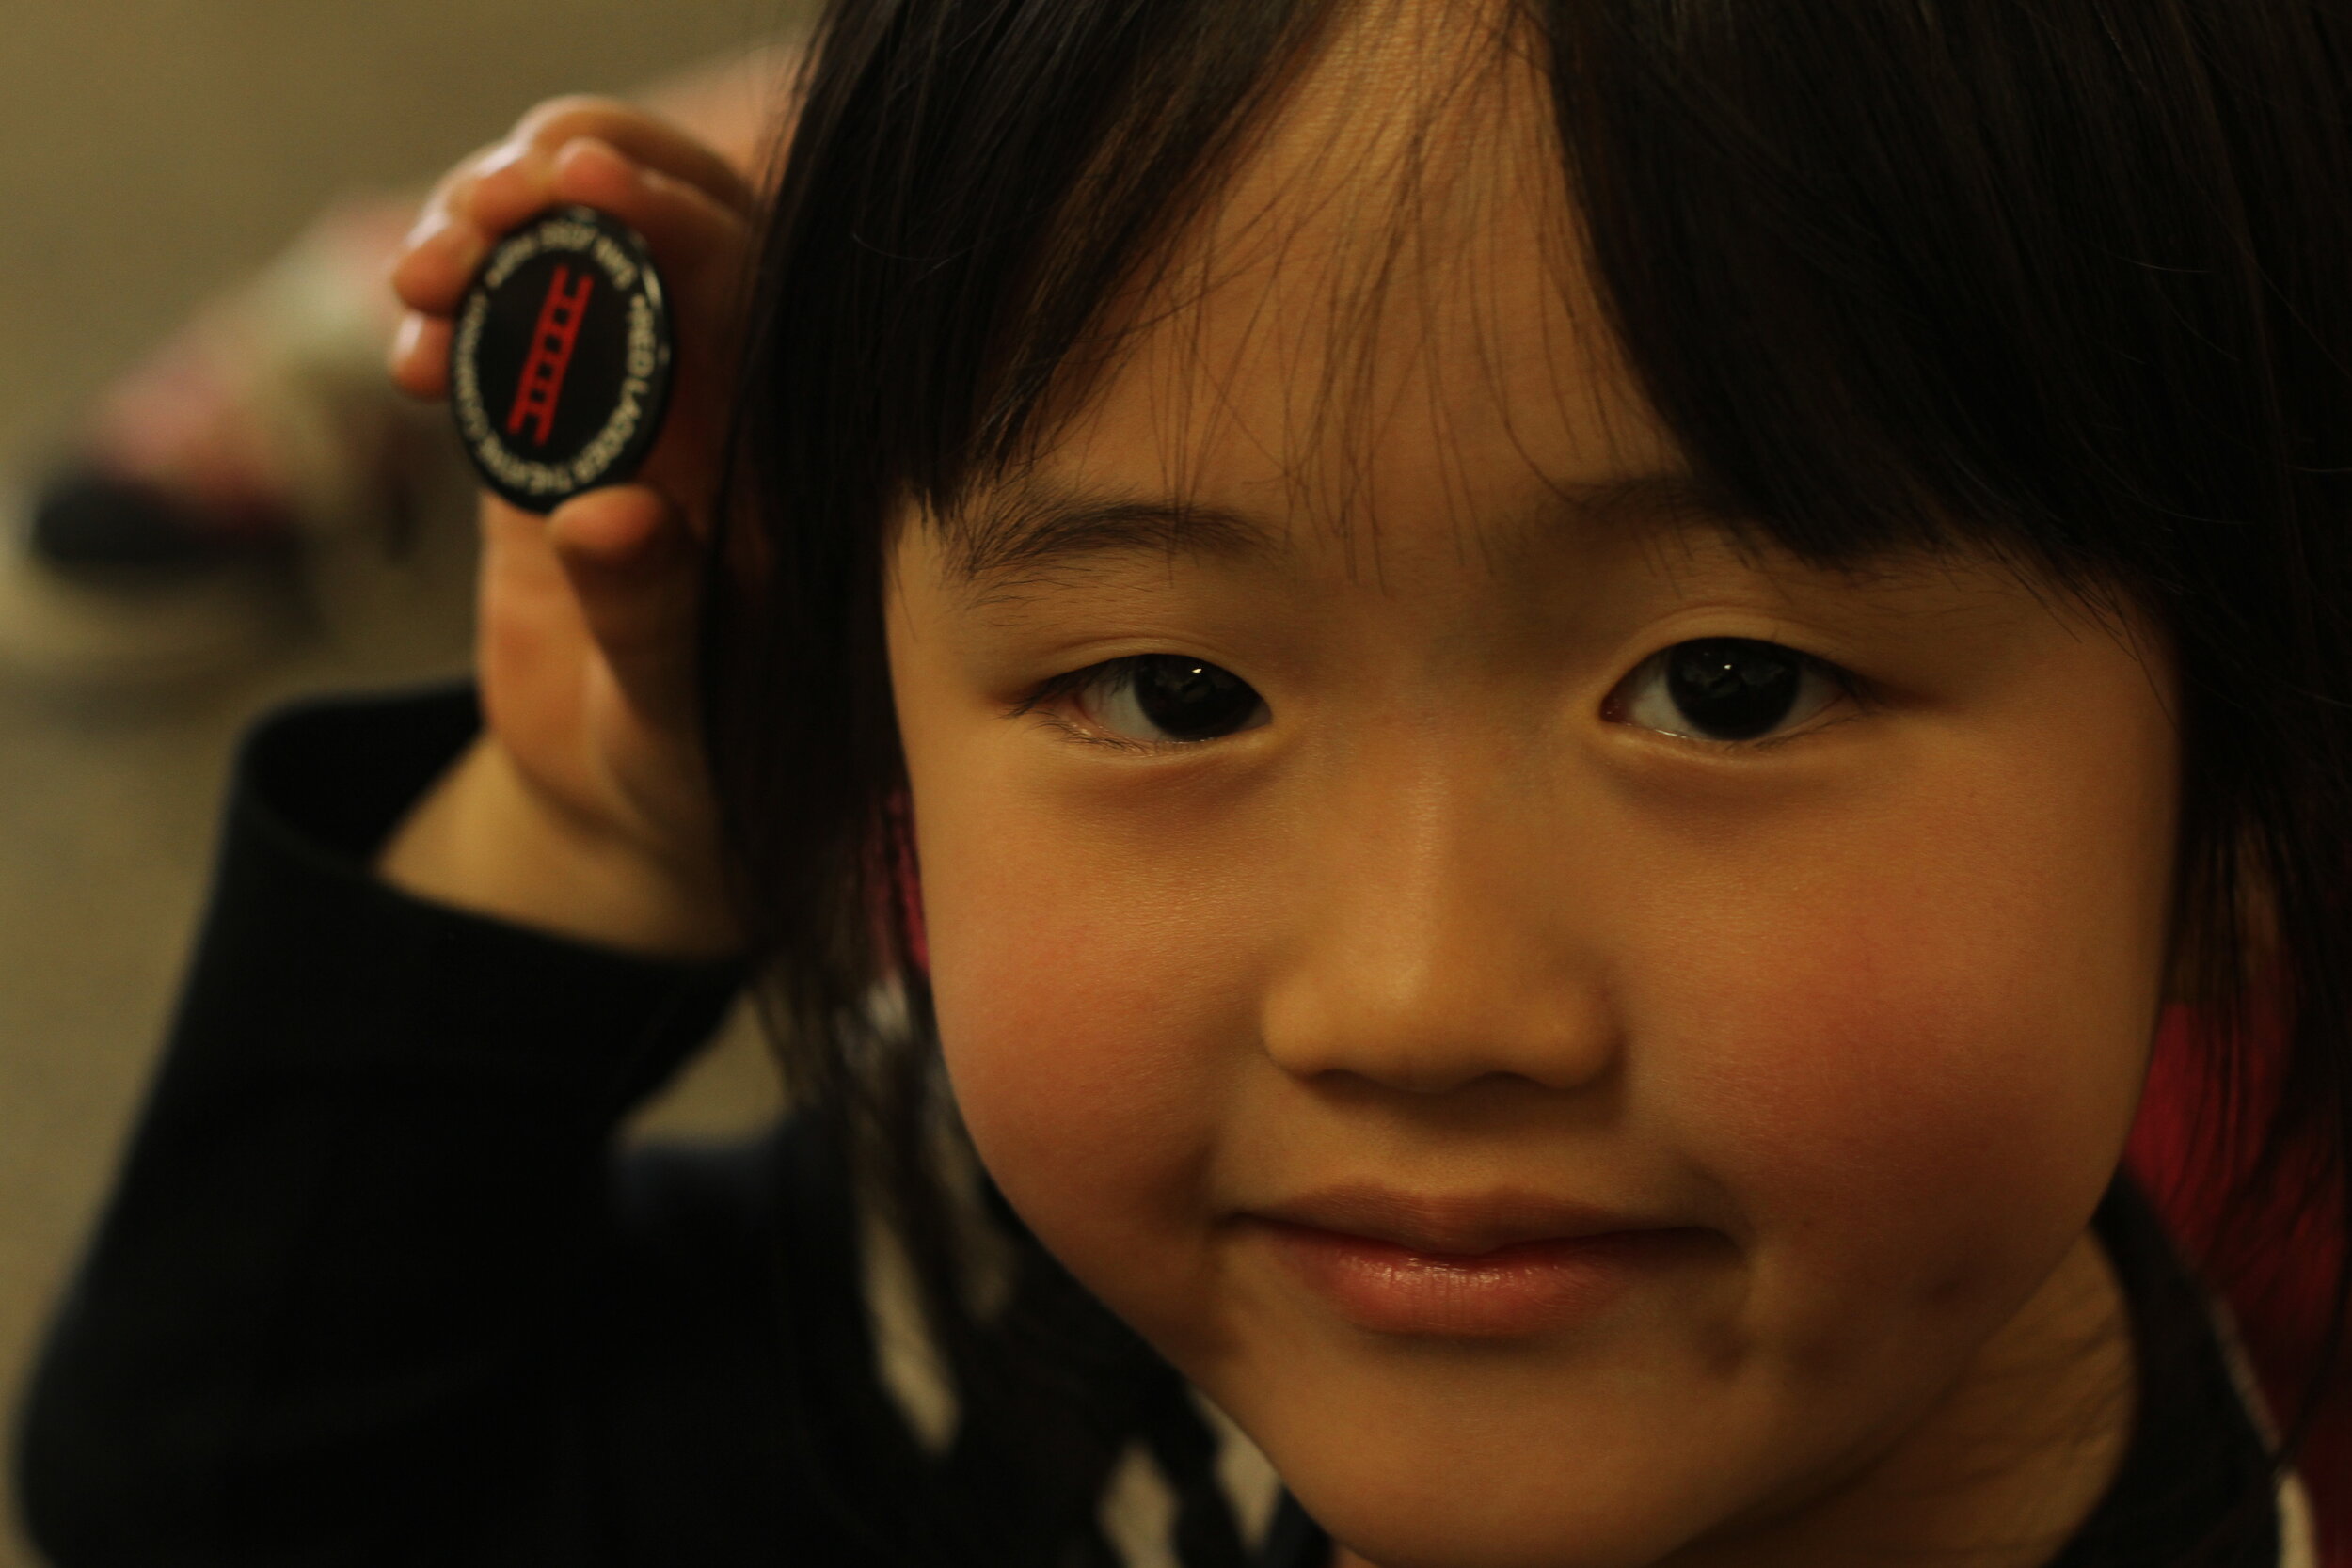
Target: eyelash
{"type": "Point", "coordinates": [1848, 684]}
{"type": "Point", "coordinates": [1078, 680]}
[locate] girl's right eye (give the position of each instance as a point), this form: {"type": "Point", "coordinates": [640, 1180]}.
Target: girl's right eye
{"type": "Point", "coordinates": [1150, 702]}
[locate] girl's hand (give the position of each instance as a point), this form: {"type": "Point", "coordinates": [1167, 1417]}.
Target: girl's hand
{"type": "Point", "coordinates": [584, 807]}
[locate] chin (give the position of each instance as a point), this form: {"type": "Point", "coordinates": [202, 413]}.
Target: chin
{"type": "Point", "coordinates": [1417, 1508]}
{"type": "Point", "coordinates": [1464, 1539]}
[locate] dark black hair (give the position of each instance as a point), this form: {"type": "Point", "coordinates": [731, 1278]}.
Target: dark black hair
{"type": "Point", "coordinates": [2069, 282]}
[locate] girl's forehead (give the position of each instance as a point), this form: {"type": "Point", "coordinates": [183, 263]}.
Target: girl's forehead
{"type": "Point", "coordinates": [1380, 331]}
{"type": "Point", "coordinates": [1381, 314]}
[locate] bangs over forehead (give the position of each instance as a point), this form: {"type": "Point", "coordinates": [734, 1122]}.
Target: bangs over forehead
{"type": "Point", "coordinates": [1384, 247]}
{"type": "Point", "coordinates": [1040, 208]}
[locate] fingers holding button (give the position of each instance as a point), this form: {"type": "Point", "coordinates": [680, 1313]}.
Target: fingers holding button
{"type": "Point", "coordinates": [560, 358]}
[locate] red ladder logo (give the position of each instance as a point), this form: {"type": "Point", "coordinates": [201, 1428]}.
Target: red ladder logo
{"type": "Point", "coordinates": [551, 344]}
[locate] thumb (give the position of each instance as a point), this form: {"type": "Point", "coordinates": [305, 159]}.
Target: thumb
{"type": "Point", "coordinates": [632, 562]}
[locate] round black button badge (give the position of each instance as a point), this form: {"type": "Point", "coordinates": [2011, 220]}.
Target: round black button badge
{"type": "Point", "coordinates": [560, 364]}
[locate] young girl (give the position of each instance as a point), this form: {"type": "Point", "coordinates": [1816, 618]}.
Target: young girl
{"type": "Point", "coordinates": [1525, 709]}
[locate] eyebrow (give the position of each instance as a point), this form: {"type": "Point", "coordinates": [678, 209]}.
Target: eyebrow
{"type": "Point", "coordinates": [1038, 529]}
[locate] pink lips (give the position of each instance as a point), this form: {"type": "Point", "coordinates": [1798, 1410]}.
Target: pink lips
{"type": "Point", "coordinates": [1503, 1265]}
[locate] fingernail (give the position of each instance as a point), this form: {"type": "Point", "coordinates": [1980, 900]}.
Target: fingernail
{"type": "Point", "coordinates": [440, 243]}
{"type": "Point", "coordinates": [506, 157]}
{"type": "Point", "coordinates": [596, 151]}
{"type": "Point", "coordinates": [427, 225]}
{"type": "Point", "coordinates": [405, 338]}
{"type": "Point", "coordinates": [503, 180]}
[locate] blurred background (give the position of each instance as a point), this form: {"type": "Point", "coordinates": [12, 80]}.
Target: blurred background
{"type": "Point", "coordinates": [152, 154]}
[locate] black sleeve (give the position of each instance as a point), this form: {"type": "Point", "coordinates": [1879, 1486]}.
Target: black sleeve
{"type": "Point", "coordinates": [372, 1286]}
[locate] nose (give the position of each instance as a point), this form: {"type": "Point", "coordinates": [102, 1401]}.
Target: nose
{"type": "Point", "coordinates": [1439, 938]}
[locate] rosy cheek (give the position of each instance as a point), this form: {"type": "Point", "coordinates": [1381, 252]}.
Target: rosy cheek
{"type": "Point", "coordinates": [1903, 1103]}
{"type": "Point", "coordinates": [1068, 1038]}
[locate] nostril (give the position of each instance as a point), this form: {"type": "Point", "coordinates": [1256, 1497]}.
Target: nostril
{"type": "Point", "coordinates": [1431, 1045]}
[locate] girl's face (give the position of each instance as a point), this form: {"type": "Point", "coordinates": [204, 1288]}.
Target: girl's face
{"type": "Point", "coordinates": [1402, 904]}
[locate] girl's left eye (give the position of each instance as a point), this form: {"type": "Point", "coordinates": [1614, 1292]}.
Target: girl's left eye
{"type": "Point", "coordinates": [1151, 703]}
{"type": "Point", "coordinates": [1730, 691]}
